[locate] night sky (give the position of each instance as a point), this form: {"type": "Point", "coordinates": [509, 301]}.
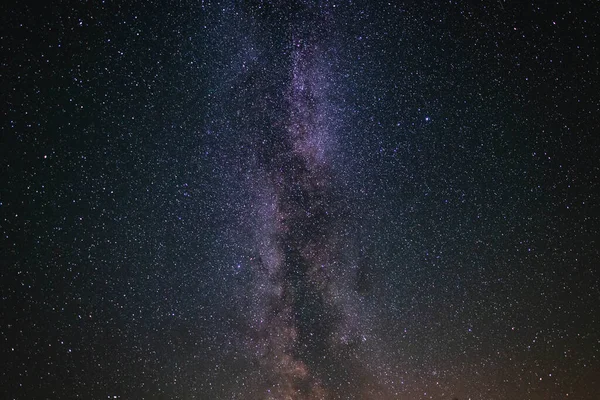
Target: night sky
{"type": "Point", "coordinates": [300, 200]}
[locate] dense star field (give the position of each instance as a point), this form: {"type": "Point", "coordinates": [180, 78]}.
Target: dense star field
{"type": "Point", "coordinates": [300, 200]}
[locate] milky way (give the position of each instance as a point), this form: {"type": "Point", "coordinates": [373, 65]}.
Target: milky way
{"type": "Point", "coordinates": [304, 301]}
{"type": "Point", "coordinates": [300, 200]}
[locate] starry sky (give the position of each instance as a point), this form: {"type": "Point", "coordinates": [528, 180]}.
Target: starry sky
{"type": "Point", "coordinates": [300, 200]}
